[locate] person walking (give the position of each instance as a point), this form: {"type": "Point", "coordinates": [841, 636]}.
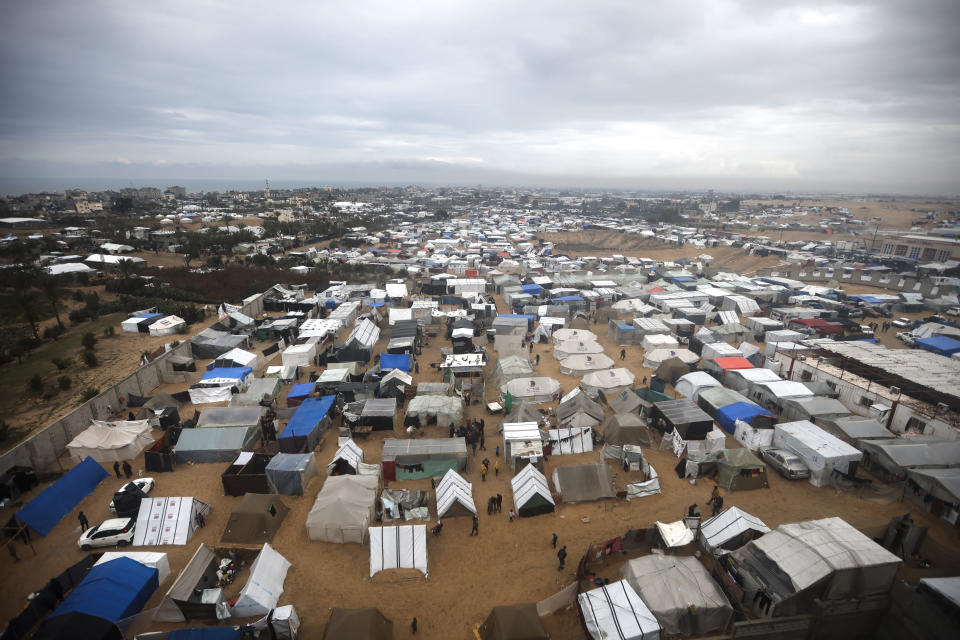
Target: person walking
{"type": "Point", "coordinates": [497, 451]}
{"type": "Point", "coordinates": [499, 503]}
{"type": "Point", "coordinates": [562, 556]}
{"type": "Point", "coordinates": [413, 627]}
{"type": "Point", "coordinates": [84, 523]}
{"type": "Point", "coordinates": [554, 541]}
{"type": "Point", "coordinates": [473, 443]}
{"type": "Point", "coordinates": [13, 552]}
{"type": "Point", "coordinates": [512, 515]}
{"type": "Point", "coordinates": [475, 531]}
{"type": "Point", "coordinates": [717, 504]}
{"type": "Point", "coordinates": [483, 441]}
{"type": "Point", "coordinates": [536, 360]}
{"type": "Point", "coordinates": [116, 469]}
{"type": "Point", "coordinates": [483, 472]}
{"type": "Point", "coordinates": [531, 346]}
{"type": "Point", "coordinates": [127, 469]}
{"type": "Point", "coordinates": [491, 505]}
{"type": "Point", "coordinates": [496, 467]}
{"type": "Point", "coordinates": [623, 354]}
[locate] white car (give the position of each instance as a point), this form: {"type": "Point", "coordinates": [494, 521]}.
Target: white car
{"type": "Point", "coordinates": [117, 532]}
{"type": "Point", "coordinates": [902, 322]}
{"type": "Point", "coordinates": [907, 337]}
{"type": "Point", "coordinates": [953, 311]}
{"type": "Point", "coordinates": [146, 485]}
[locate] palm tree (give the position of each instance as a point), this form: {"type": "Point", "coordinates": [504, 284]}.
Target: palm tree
{"type": "Point", "coordinates": [25, 298]}
{"type": "Point", "coordinates": [53, 292]}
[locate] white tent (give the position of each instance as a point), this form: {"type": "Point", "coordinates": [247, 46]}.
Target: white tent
{"type": "Point", "coordinates": [111, 441]}
{"type": "Point", "coordinates": [299, 355]}
{"type": "Point", "coordinates": [659, 341]}
{"type": "Point", "coordinates": [691, 384]}
{"type": "Point", "coordinates": [132, 325]}
{"type": "Point", "coordinates": [582, 364]}
{"type": "Point", "coordinates": [533, 390]}
{"type": "Point", "coordinates": [151, 559]}
{"type": "Point", "coordinates": [265, 585]}
{"type": "Point", "coordinates": [616, 611]}
{"type": "Point", "coordinates": [398, 314]}
{"type": "Point", "coordinates": [531, 494]}
{"type": "Point", "coordinates": [454, 496]}
{"type": "Point", "coordinates": [610, 382]}
{"type": "Point", "coordinates": [569, 441]}
{"type": "Point", "coordinates": [350, 457]}
{"type": "Point", "coordinates": [241, 357]}
{"type": "Point", "coordinates": [402, 547]}
{"type": "Point", "coordinates": [819, 450]}
{"type": "Point", "coordinates": [343, 510]}
{"type": "Point", "coordinates": [653, 359]}
{"type": "Point", "coordinates": [192, 577]}
{"type": "Point", "coordinates": [730, 525]}
{"type": "Point", "coordinates": [582, 335]}
{"type": "Point", "coordinates": [569, 348]}
{"type": "Point", "coordinates": [163, 521]}
{"type": "Point", "coordinates": [447, 409]}
{"type": "Point", "coordinates": [167, 326]}
{"type": "Point", "coordinates": [675, 534]}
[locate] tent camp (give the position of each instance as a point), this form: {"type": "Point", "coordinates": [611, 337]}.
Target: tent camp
{"type": "Point", "coordinates": [442, 409]}
{"type": "Point", "coordinates": [184, 599]}
{"type": "Point", "coordinates": [235, 358]}
{"type": "Point", "coordinates": [654, 359]}
{"type": "Point", "coordinates": [531, 495]}
{"type": "Point", "coordinates": [299, 355]}
{"type": "Point", "coordinates": [399, 547]}
{"type": "Point", "coordinates": [290, 473]}
{"type": "Point", "coordinates": [454, 496]}
{"type": "Point", "coordinates": [298, 393]}
{"type": "Point", "coordinates": [533, 390]}
{"type": "Point", "coordinates": [412, 459]}
{"type": "Point", "coordinates": [680, 593]}
{"type": "Point", "coordinates": [358, 624]}
{"type": "Point", "coordinates": [111, 591]}
{"type": "Point", "coordinates": [214, 444]}
{"type": "Point", "coordinates": [348, 460]}
{"type": "Point", "coordinates": [578, 410]}
{"type": "Point", "coordinates": [255, 520]}
{"type": "Point", "coordinates": [512, 367]}
{"type": "Point", "coordinates": [583, 483]}
{"type": "Point", "coordinates": [626, 428]}
{"type": "Point", "coordinates": [616, 611]}
{"type": "Point", "coordinates": [609, 382]}
{"type": "Point", "coordinates": [569, 348]}
{"type": "Point", "coordinates": [380, 414]}
{"type": "Point", "coordinates": [344, 509]}
{"type": "Point", "coordinates": [109, 442]}
{"type": "Point", "coordinates": [303, 431]}
{"type": "Point", "coordinates": [171, 520]}
{"type": "Point", "coordinates": [264, 586]}
{"type": "Point", "coordinates": [260, 390]}
{"type": "Point", "coordinates": [820, 451]}
{"type": "Point", "coordinates": [729, 530]}
{"type": "Point", "coordinates": [155, 560]}
{"type": "Point", "coordinates": [826, 559]}
{"type": "Point", "coordinates": [47, 509]}
{"type": "Point", "coordinates": [216, 385]}
{"type": "Point", "coordinates": [516, 622]}
{"type": "Point", "coordinates": [139, 323]}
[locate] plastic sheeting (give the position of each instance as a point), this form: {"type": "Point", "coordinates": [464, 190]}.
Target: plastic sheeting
{"type": "Point", "coordinates": [616, 611]}
{"type": "Point", "coordinates": [114, 590]}
{"type": "Point", "coordinates": [400, 547]}
{"type": "Point", "coordinates": [265, 585]}
{"type": "Point", "coordinates": [729, 524]}
{"type": "Point", "coordinates": [48, 508]}
{"type": "Point", "coordinates": [165, 521]}
{"type": "Point", "coordinates": [290, 473]}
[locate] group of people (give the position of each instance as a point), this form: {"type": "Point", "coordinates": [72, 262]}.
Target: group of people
{"type": "Point", "coordinates": [127, 469]}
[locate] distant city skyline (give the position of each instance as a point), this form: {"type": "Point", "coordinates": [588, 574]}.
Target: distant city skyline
{"type": "Point", "coordinates": [820, 96]}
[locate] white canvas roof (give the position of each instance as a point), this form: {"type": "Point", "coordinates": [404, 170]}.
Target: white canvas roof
{"type": "Point", "coordinates": [265, 585]}
{"type": "Point", "coordinates": [182, 588]}
{"type": "Point", "coordinates": [675, 534]}
{"type": "Point", "coordinates": [659, 341]}
{"type": "Point", "coordinates": [787, 389]}
{"type": "Point", "coordinates": [532, 389]}
{"type": "Point", "coordinates": [240, 356]}
{"type": "Point", "coordinates": [333, 375]}
{"type": "Point", "coordinates": [397, 314]}
{"type": "Point", "coordinates": [727, 525]}
{"type": "Point", "coordinates": [299, 355]}
{"type": "Point", "coordinates": [402, 547]}
{"type": "Point", "coordinates": [153, 559]}
{"type": "Point", "coordinates": [607, 381]}
{"type": "Point", "coordinates": [819, 450]}
{"type": "Point", "coordinates": [580, 335]}
{"type": "Point", "coordinates": [689, 385]}
{"type": "Point", "coordinates": [529, 482]}
{"type": "Point", "coordinates": [111, 441]}
{"type": "Point", "coordinates": [454, 490]}
{"type": "Point", "coordinates": [568, 348]}
{"type": "Point", "coordinates": [343, 510]}
{"type": "Point", "coordinates": [521, 431]}
{"type": "Point", "coordinates": [581, 364]}
{"type": "Point", "coordinates": [616, 611]}
{"type": "Point", "coordinates": [167, 326]}
{"type": "Point", "coordinates": [656, 357]}
{"type": "Point", "coordinates": [319, 327]}
{"type": "Point", "coordinates": [163, 521]}
{"type": "Point", "coordinates": [396, 290]}
{"type": "Point", "coordinates": [571, 441]}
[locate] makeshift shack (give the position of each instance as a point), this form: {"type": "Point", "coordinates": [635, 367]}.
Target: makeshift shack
{"type": "Point", "coordinates": [109, 442]}
{"type": "Point", "coordinates": [821, 452]}
{"type": "Point", "coordinates": [168, 521]}
{"type": "Point", "coordinates": [264, 587]}
{"type": "Point", "coordinates": [184, 600]}
{"type": "Point", "coordinates": [409, 459]}
{"type": "Point", "coordinates": [616, 611]}
{"type": "Point", "coordinates": [305, 428]}
{"type": "Point", "coordinates": [681, 416]}
{"type": "Point", "coordinates": [246, 474]}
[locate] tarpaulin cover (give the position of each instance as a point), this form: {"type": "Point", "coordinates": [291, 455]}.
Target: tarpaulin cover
{"type": "Point", "coordinates": [940, 344]}
{"type": "Point", "coordinates": [301, 390]}
{"type": "Point", "coordinates": [226, 373]}
{"type": "Point", "coordinates": [112, 591]}
{"type": "Point", "coordinates": [390, 361]}
{"type": "Point", "coordinates": [727, 416]}
{"type": "Point", "coordinates": [308, 416]}
{"type": "Point", "coordinates": [45, 511]}
{"type": "Point", "coordinates": [532, 289]}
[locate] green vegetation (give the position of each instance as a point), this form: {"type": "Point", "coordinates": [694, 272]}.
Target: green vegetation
{"type": "Point", "coordinates": [90, 358]}
{"type": "Point", "coordinates": [89, 394]}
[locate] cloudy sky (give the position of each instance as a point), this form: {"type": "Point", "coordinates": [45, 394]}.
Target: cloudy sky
{"type": "Point", "coordinates": [753, 94]}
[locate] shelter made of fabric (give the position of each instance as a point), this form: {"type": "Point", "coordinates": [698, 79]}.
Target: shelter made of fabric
{"type": "Point", "coordinates": [47, 509]}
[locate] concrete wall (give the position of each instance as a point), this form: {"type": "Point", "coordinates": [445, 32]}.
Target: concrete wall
{"type": "Point", "coordinates": [882, 281]}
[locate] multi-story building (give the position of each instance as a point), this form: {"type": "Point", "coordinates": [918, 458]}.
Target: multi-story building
{"type": "Point", "coordinates": [919, 247]}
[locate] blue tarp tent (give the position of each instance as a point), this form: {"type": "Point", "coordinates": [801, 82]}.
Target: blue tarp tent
{"type": "Point", "coordinates": [390, 361]}
{"type": "Point", "coordinates": [45, 511]}
{"type": "Point", "coordinates": [532, 289]}
{"type": "Point", "coordinates": [301, 390]}
{"type": "Point", "coordinates": [303, 431]}
{"type": "Point", "coordinates": [939, 344]}
{"type": "Point", "coordinates": [224, 373]}
{"type": "Point", "coordinates": [112, 591]}
{"type": "Point", "coordinates": [210, 633]}
{"type": "Point", "coordinates": [727, 416]}
{"type": "Point", "coordinates": [567, 299]}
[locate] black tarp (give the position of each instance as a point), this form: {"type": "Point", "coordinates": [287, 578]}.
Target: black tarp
{"type": "Point", "coordinates": [126, 502]}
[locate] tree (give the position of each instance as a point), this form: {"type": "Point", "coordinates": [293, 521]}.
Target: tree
{"type": "Point", "coordinates": [25, 297]}
{"type": "Point", "coordinates": [53, 292]}
{"type": "Point", "coordinates": [89, 340]}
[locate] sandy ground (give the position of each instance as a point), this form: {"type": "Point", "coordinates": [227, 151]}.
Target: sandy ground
{"type": "Point", "coordinates": [893, 212]}
{"type": "Point", "coordinates": [507, 563]}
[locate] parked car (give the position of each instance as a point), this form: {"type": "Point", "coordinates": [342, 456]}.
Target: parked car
{"type": "Point", "coordinates": [790, 466]}
{"type": "Point", "coordinates": [953, 311]}
{"type": "Point", "coordinates": [907, 337]}
{"type": "Point", "coordinates": [903, 323]}
{"type": "Point", "coordinates": [144, 484]}
{"type": "Point", "coordinates": [117, 532]}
